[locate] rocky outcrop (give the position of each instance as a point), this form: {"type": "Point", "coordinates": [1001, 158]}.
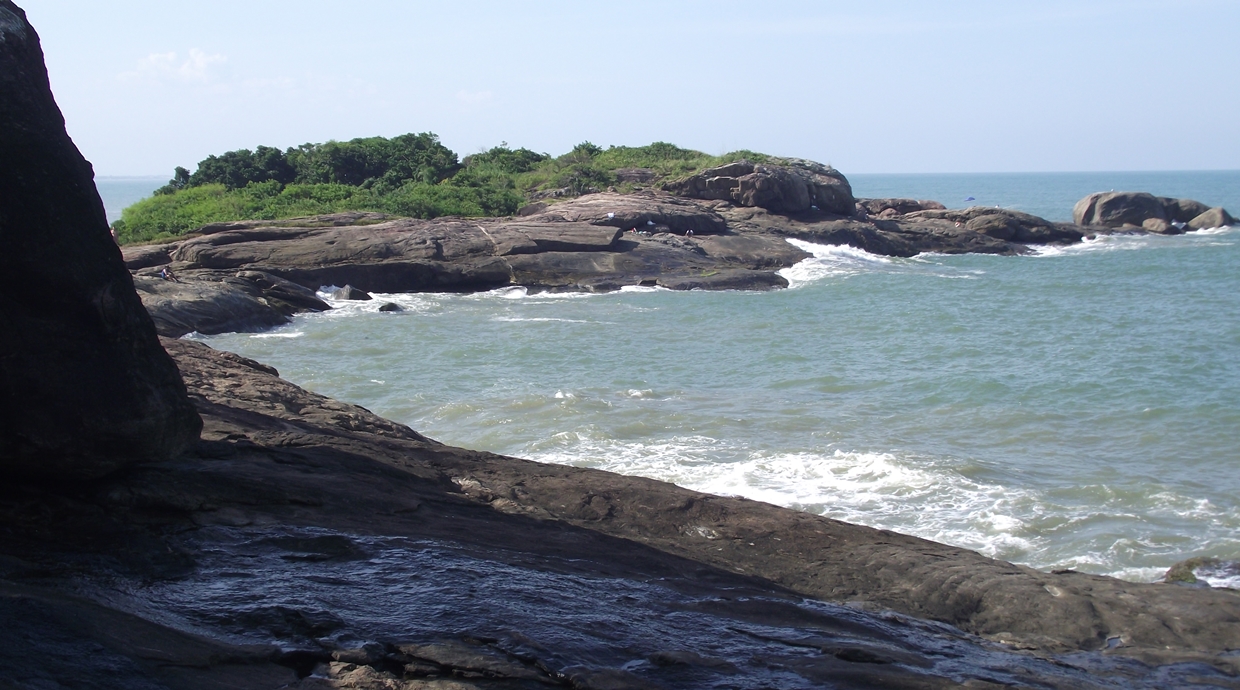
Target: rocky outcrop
{"type": "Point", "coordinates": [87, 389]}
{"type": "Point", "coordinates": [210, 302]}
{"type": "Point", "coordinates": [890, 208]}
{"type": "Point", "coordinates": [1143, 211]}
{"type": "Point", "coordinates": [1212, 218]}
{"type": "Point", "coordinates": [442, 562]}
{"type": "Point", "coordinates": [305, 543]}
{"type": "Point", "coordinates": [596, 242]}
{"type": "Point", "coordinates": [790, 186]}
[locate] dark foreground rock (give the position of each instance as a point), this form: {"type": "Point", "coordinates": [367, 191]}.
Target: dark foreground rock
{"type": "Point", "coordinates": [308, 543]}
{"type": "Point", "coordinates": [84, 386]}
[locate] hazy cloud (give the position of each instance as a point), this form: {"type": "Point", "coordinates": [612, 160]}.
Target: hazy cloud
{"type": "Point", "coordinates": [473, 97]}
{"type": "Point", "coordinates": [196, 67]}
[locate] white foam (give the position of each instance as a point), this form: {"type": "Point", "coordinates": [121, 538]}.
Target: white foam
{"type": "Point", "coordinates": [908, 494]}
{"type": "Point", "coordinates": [643, 288]}
{"type": "Point", "coordinates": [1221, 230]}
{"type": "Point", "coordinates": [291, 334]}
{"type": "Point", "coordinates": [1224, 575]}
{"type": "Point", "coordinates": [518, 319]}
{"type": "Point", "coordinates": [830, 261]}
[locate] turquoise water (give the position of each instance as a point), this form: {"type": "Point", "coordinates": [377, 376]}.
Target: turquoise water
{"type": "Point", "coordinates": [1050, 195]}
{"type": "Point", "coordinates": [119, 192]}
{"type": "Point", "coordinates": [1078, 408]}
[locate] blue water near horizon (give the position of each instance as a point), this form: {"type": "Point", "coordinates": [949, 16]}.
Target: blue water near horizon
{"type": "Point", "coordinates": [1076, 408]}
{"type": "Point", "coordinates": [119, 192]}
{"type": "Point", "coordinates": [1049, 195]}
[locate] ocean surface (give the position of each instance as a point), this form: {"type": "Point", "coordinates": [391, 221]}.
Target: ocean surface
{"type": "Point", "coordinates": [119, 192]}
{"type": "Point", "coordinates": [1077, 408]}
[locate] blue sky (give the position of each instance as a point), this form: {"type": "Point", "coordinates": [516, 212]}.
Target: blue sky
{"type": "Point", "coordinates": [880, 86]}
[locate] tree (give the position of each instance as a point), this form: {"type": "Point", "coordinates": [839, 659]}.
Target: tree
{"type": "Point", "coordinates": [236, 169]}
{"type": "Point", "coordinates": [179, 181]}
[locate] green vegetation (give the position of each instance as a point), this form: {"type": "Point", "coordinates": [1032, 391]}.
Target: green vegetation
{"type": "Point", "coordinates": [409, 175]}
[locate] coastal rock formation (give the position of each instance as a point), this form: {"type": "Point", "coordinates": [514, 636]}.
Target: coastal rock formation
{"type": "Point", "coordinates": [596, 242]}
{"type": "Point", "coordinates": [210, 302]}
{"type": "Point", "coordinates": [792, 186]}
{"type": "Point", "coordinates": [1213, 218]}
{"type": "Point", "coordinates": [447, 563]}
{"type": "Point", "coordinates": [86, 387]}
{"type": "Point", "coordinates": [889, 208]}
{"type": "Point", "coordinates": [1140, 210]}
{"type": "Point", "coordinates": [305, 543]}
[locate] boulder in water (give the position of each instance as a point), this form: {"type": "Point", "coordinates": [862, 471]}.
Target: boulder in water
{"type": "Point", "coordinates": [1214, 218]}
{"type": "Point", "coordinates": [351, 293]}
{"type": "Point", "coordinates": [1142, 210]}
{"type": "Point", "coordinates": [1182, 210]}
{"type": "Point", "coordinates": [1116, 209]}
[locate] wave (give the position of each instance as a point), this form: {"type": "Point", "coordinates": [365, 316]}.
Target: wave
{"type": "Point", "coordinates": [843, 261]}
{"type": "Point", "coordinates": [1127, 242]}
{"type": "Point", "coordinates": [910, 494]}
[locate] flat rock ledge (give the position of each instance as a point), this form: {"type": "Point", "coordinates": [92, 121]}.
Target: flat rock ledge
{"type": "Point", "coordinates": [597, 242]}
{"type": "Point", "coordinates": [308, 543]}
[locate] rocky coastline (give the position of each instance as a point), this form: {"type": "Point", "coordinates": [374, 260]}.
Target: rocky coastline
{"type": "Point", "coordinates": [179, 517]}
{"type": "Point", "coordinates": [251, 275]}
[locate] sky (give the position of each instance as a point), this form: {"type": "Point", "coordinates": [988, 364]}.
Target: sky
{"type": "Point", "coordinates": [869, 87]}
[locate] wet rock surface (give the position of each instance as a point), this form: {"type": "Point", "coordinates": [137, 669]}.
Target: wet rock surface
{"type": "Point", "coordinates": [309, 542]}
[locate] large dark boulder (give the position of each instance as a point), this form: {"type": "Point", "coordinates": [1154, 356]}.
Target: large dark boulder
{"type": "Point", "coordinates": [1182, 210]}
{"type": "Point", "coordinates": [1116, 209]}
{"type": "Point", "coordinates": [791, 186]}
{"type": "Point", "coordinates": [1213, 218]}
{"type": "Point", "coordinates": [86, 387]}
{"type": "Point", "coordinates": [1149, 212]}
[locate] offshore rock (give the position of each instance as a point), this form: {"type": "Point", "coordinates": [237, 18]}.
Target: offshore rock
{"type": "Point", "coordinates": [87, 389]}
{"type": "Point", "coordinates": [1132, 211]}
{"type": "Point", "coordinates": [1182, 210]}
{"type": "Point", "coordinates": [887, 208]}
{"type": "Point", "coordinates": [1213, 218]}
{"type": "Point", "coordinates": [1116, 209]}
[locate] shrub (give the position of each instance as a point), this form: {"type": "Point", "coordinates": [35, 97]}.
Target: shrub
{"type": "Point", "coordinates": [410, 175]}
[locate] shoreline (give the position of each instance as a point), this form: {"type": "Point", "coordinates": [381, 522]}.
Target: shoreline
{"type": "Point", "coordinates": [182, 517]}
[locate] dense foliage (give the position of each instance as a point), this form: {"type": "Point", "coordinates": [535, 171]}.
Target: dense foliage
{"type": "Point", "coordinates": [409, 175]}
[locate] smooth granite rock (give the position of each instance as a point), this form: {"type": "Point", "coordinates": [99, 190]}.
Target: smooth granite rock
{"type": "Point", "coordinates": [1213, 218]}
{"type": "Point", "coordinates": [789, 186]}
{"type": "Point", "coordinates": [87, 389]}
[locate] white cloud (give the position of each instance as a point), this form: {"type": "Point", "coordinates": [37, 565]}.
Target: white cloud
{"type": "Point", "coordinates": [473, 97]}
{"type": "Point", "coordinates": [197, 67]}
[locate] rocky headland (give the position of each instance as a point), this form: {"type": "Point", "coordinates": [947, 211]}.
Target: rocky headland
{"type": "Point", "coordinates": [178, 517]}
{"type": "Point", "coordinates": [725, 228]}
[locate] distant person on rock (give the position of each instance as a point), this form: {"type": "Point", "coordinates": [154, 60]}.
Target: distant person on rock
{"type": "Point", "coordinates": [167, 274]}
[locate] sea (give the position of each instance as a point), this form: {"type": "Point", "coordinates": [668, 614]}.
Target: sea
{"type": "Point", "coordinates": [1078, 407]}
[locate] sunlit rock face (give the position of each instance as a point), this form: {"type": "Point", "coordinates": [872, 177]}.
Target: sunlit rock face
{"type": "Point", "coordinates": [85, 387]}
